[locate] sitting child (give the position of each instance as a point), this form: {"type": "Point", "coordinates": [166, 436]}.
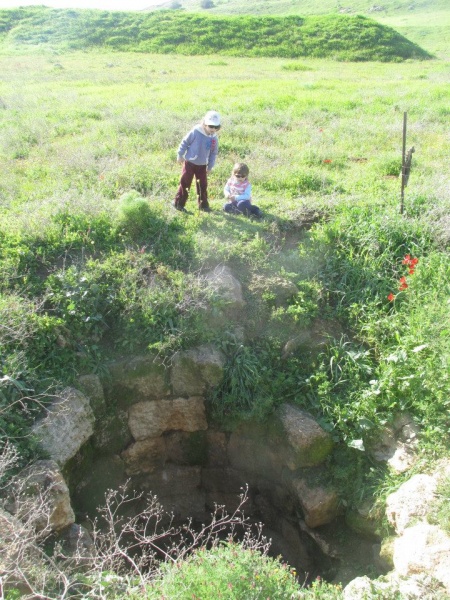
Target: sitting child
{"type": "Point", "coordinates": [238, 192]}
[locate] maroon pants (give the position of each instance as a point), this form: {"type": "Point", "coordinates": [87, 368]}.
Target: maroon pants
{"type": "Point", "coordinates": [187, 175]}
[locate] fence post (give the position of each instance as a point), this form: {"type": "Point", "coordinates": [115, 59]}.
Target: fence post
{"type": "Point", "coordinates": [402, 195]}
{"type": "Point", "coordinates": [406, 165]}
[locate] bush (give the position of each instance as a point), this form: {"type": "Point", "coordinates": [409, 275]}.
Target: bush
{"type": "Point", "coordinates": [229, 571]}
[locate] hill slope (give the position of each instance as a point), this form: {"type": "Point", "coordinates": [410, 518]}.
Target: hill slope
{"type": "Point", "coordinates": [425, 22]}
{"type": "Point", "coordinates": [340, 37]}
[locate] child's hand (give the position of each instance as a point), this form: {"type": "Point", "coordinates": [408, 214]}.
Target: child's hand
{"type": "Point", "coordinates": [180, 159]}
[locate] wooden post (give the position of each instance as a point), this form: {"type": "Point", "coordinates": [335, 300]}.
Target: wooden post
{"type": "Point", "coordinates": [406, 165]}
{"type": "Point", "coordinates": [402, 195]}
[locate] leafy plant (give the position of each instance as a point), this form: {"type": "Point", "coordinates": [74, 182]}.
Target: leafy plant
{"type": "Point", "coordinates": [228, 571]}
{"type": "Point", "coordinates": [236, 394]}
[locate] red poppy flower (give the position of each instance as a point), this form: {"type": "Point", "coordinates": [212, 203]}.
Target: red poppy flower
{"type": "Point", "coordinates": [403, 285]}
{"type": "Point", "coordinates": [391, 297]}
{"type": "Point", "coordinates": [406, 260]}
{"type": "Point", "coordinates": [327, 160]}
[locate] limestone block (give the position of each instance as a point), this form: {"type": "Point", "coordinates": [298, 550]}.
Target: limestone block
{"type": "Point", "coordinates": [139, 378]}
{"type": "Point", "coordinates": [152, 419]}
{"type": "Point", "coordinates": [111, 433]}
{"type": "Point", "coordinates": [68, 424]}
{"type": "Point", "coordinates": [411, 501]}
{"type": "Point", "coordinates": [41, 496]}
{"type": "Point", "coordinates": [423, 548]}
{"type": "Point", "coordinates": [91, 386]}
{"type": "Point", "coordinates": [196, 370]}
{"type": "Point", "coordinates": [226, 286]}
{"type": "Point", "coordinates": [144, 456]}
{"type": "Point", "coordinates": [358, 588]}
{"type": "Point", "coordinates": [320, 504]}
{"type": "Point", "coordinates": [397, 445]}
{"type": "Point", "coordinates": [309, 445]}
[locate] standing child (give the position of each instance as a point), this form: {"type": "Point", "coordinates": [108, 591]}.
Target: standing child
{"type": "Point", "coordinates": [238, 192]}
{"type": "Point", "coordinates": [198, 152]}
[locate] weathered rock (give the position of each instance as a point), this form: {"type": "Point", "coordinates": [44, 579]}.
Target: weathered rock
{"type": "Point", "coordinates": [423, 548]}
{"type": "Point", "coordinates": [41, 496]}
{"type": "Point", "coordinates": [112, 433]}
{"type": "Point", "coordinates": [197, 370]}
{"type": "Point", "coordinates": [152, 419]}
{"type": "Point", "coordinates": [320, 504]}
{"type": "Point", "coordinates": [364, 519]}
{"type": "Point", "coordinates": [18, 555]}
{"type": "Point", "coordinates": [227, 287]}
{"type": "Point", "coordinates": [137, 379]}
{"type": "Point", "coordinates": [68, 424]}
{"type": "Point", "coordinates": [411, 501]}
{"type": "Point", "coordinates": [309, 444]}
{"type": "Point", "coordinates": [144, 456]}
{"type": "Point", "coordinates": [386, 554]}
{"type": "Point", "coordinates": [397, 444]}
{"type": "Point", "coordinates": [76, 542]}
{"type": "Point", "coordinates": [361, 587]}
{"type": "Point", "coordinates": [417, 587]}
{"type": "Point", "coordinates": [91, 386]}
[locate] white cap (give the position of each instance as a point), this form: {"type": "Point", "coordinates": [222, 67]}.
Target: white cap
{"type": "Point", "coordinates": [212, 118]}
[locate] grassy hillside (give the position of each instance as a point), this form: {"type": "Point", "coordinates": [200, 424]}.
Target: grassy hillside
{"type": "Point", "coordinates": [425, 22]}
{"type": "Point", "coordinates": [339, 37]}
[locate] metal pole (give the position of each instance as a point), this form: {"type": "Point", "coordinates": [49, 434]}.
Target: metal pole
{"type": "Point", "coordinates": [402, 195]}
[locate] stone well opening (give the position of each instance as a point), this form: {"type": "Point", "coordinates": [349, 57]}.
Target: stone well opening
{"type": "Point", "coordinates": [151, 429]}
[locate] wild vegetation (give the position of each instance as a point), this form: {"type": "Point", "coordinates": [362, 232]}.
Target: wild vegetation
{"type": "Point", "coordinates": [94, 262]}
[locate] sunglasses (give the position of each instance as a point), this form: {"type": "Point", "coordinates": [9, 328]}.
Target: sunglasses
{"type": "Point", "coordinates": [239, 176]}
{"type": "Point", "coordinates": [214, 126]}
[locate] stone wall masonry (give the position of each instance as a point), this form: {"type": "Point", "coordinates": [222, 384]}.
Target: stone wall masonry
{"type": "Point", "coordinates": [151, 422]}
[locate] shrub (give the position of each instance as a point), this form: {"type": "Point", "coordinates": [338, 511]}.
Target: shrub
{"type": "Point", "coordinates": [228, 571]}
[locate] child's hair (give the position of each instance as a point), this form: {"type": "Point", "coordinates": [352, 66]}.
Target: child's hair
{"type": "Point", "coordinates": [241, 169]}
